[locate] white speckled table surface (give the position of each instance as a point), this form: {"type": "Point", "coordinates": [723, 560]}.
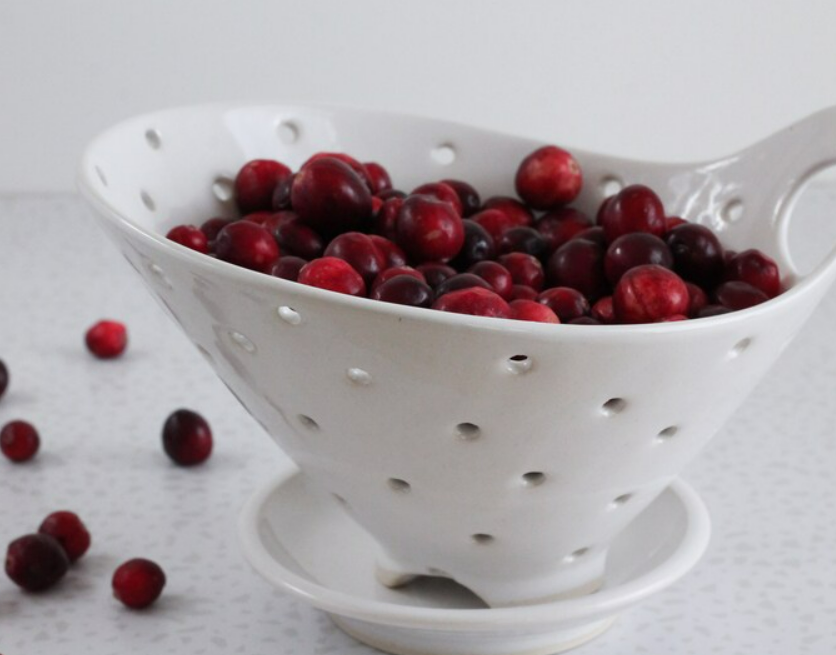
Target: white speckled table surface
{"type": "Point", "coordinates": [767, 584]}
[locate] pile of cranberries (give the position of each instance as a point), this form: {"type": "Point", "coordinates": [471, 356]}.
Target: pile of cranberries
{"type": "Point", "coordinates": [338, 224]}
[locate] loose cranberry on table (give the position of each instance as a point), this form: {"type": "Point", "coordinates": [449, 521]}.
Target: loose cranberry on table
{"type": "Point", "coordinates": [360, 252]}
{"type": "Point", "coordinates": [435, 272]}
{"type": "Point", "coordinates": [392, 253]}
{"type": "Point", "coordinates": [386, 217]}
{"type": "Point", "coordinates": [478, 246]}
{"type": "Point", "coordinates": [293, 236]}
{"type": "Point", "coordinates": [256, 182]}
{"type": "Point", "coordinates": [495, 222]}
{"type": "Point", "coordinates": [214, 225]}
{"type": "Point", "coordinates": [496, 275]}
{"type": "Point", "coordinates": [461, 281]}
{"type": "Point", "coordinates": [440, 191]}
{"type": "Point", "coordinates": [69, 531]}
{"type": "Point", "coordinates": [524, 269]}
{"type": "Point", "coordinates": [523, 239]}
{"type": "Point", "coordinates": [566, 303]}
{"type": "Point", "coordinates": [635, 208]}
{"type": "Point", "coordinates": [697, 254]}
{"type": "Point", "coordinates": [19, 441]}
{"type": "Point", "coordinates": [739, 295]}
{"type": "Point", "coordinates": [330, 197]}
{"type": "Point", "coordinates": [332, 274]}
{"type": "Point", "coordinates": [189, 236]}
{"type": "Point", "coordinates": [548, 177]}
{"type": "Point", "coordinates": [468, 196]}
{"type": "Point", "coordinates": [560, 225]}
{"type": "Point", "coordinates": [429, 230]}
{"type": "Point", "coordinates": [36, 562]}
{"type": "Point", "coordinates": [138, 583]}
{"type": "Point", "coordinates": [635, 249]}
{"type": "Point", "coordinates": [648, 294]}
{"type": "Point", "coordinates": [404, 290]}
{"type": "Point", "coordinates": [248, 245]}
{"type": "Point", "coordinates": [378, 177]}
{"type": "Point", "coordinates": [516, 211]}
{"type": "Point", "coordinates": [187, 438]}
{"type": "Point", "coordinates": [531, 310]}
{"type": "Point", "coordinates": [389, 273]}
{"type": "Point", "coordinates": [602, 311]}
{"type": "Point", "coordinates": [579, 264]}
{"type": "Point", "coordinates": [4, 378]}
{"type": "Point", "coordinates": [475, 301]}
{"type": "Point", "coordinates": [755, 268]}
{"type": "Point", "coordinates": [106, 339]}
{"type": "Point", "coordinates": [288, 268]}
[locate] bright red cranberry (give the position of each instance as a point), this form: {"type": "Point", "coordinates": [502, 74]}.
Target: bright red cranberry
{"type": "Point", "coordinates": [602, 311]}
{"type": "Point", "coordinates": [522, 292]}
{"type": "Point", "coordinates": [461, 281]}
{"type": "Point", "coordinates": [440, 191]}
{"type": "Point", "coordinates": [69, 531]}
{"type": "Point", "coordinates": [4, 378]}
{"type": "Point", "coordinates": [675, 318]}
{"type": "Point", "coordinates": [36, 562]}
{"type": "Point", "coordinates": [494, 222]}
{"type": "Point", "coordinates": [548, 177]}
{"type": "Point", "coordinates": [755, 268]}
{"type": "Point", "coordinates": [281, 196]}
{"type": "Point", "coordinates": [650, 293]}
{"type": "Point", "coordinates": [560, 225]}
{"type": "Point", "coordinates": [293, 236]}
{"type": "Point", "coordinates": [698, 299]}
{"type": "Point", "coordinates": [674, 221]}
{"type": "Point", "coordinates": [524, 269]}
{"type": "Point", "coordinates": [404, 290]}
{"type": "Point", "coordinates": [739, 295]}
{"type": "Point", "coordinates": [348, 160]}
{"type": "Point", "coordinates": [635, 249]}
{"type": "Point", "coordinates": [478, 246]}
{"type": "Point", "coordinates": [190, 237]}
{"type": "Point", "coordinates": [138, 582]}
{"type": "Point", "coordinates": [259, 218]}
{"type": "Point", "coordinates": [378, 177]}
{"type": "Point", "coordinates": [187, 438]}
{"type": "Point", "coordinates": [635, 208]}
{"type": "Point", "coordinates": [392, 254]}
{"type": "Point", "coordinates": [566, 303]}
{"type": "Point", "coordinates": [391, 193]}
{"type": "Point", "coordinates": [359, 251]}
{"type": "Point", "coordinates": [389, 273]}
{"type": "Point", "coordinates": [496, 275]}
{"type": "Point", "coordinates": [468, 196]}
{"type": "Point", "coordinates": [512, 208]}
{"type": "Point", "coordinates": [214, 225]}
{"type": "Point", "coordinates": [531, 310]}
{"type": "Point", "coordinates": [107, 339]}
{"type": "Point", "coordinates": [697, 254]}
{"type": "Point", "coordinates": [523, 239]}
{"type": "Point", "coordinates": [247, 244]}
{"type": "Point", "coordinates": [288, 268]}
{"type": "Point", "coordinates": [713, 310]}
{"type": "Point", "coordinates": [330, 197]}
{"type": "Point", "coordinates": [256, 182]}
{"type": "Point", "coordinates": [584, 320]}
{"type": "Point", "coordinates": [333, 274]}
{"type": "Point", "coordinates": [19, 441]}
{"type": "Point", "coordinates": [385, 219]}
{"type": "Point", "coordinates": [377, 203]}
{"type": "Point", "coordinates": [579, 264]}
{"type": "Point", "coordinates": [475, 301]}
{"type": "Point", "coordinates": [429, 230]}
{"type": "Point", "coordinates": [435, 272]}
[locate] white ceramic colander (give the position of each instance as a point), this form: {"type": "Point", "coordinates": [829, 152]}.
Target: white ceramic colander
{"type": "Point", "coordinates": [503, 454]}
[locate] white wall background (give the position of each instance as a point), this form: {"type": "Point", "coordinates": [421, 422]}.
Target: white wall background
{"type": "Point", "coordinates": [647, 78]}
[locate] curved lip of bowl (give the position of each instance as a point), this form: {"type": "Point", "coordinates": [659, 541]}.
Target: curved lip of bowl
{"type": "Point", "coordinates": [87, 189]}
{"type": "Point", "coordinates": [606, 602]}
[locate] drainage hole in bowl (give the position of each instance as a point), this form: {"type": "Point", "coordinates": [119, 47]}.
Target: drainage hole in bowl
{"type": "Point", "coordinates": [289, 315]}
{"type": "Point", "coordinates": [445, 154]}
{"type": "Point", "coordinates": [468, 431]}
{"type": "Point", "coordinates": [533, 478]}
{"type": "Point", "coordinates": [740, 347]}
{"type": "Point", "coordinates": [667, 433]}
{"type": "Point", "coordinates": [308, 422]}
{"type": "Point", "coordinates": [576, 555]}
{"type": "Point", "coordinates": [620, 501]}
{"type": "Point", "coordinates": [731, 212]}
{"type": "Point", "coordinates": [153, 139]}
{"type": "Point", "coordinates": [401, 486]}
{"type": "Point", "coordinates": [288, 132]}
{"type": "Point", "coordinates": [242, 341]}
{"type": "Point", "coordinates": [519, 364]}
{"type": "Point", "coordinates": [482, 539]}
{"type": "Point", "coordinates": [222, 188]}
{"type": "Point", "coordinates": [611, 185]}
{"type": "Point", "coordinates": [614, 406]}
{"type": "Point", "coordinates": [147, 200]}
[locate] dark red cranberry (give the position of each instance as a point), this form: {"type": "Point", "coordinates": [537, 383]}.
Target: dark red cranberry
{"type": "Point", "coordinates": [560, 225]}
{"type": "Point", "coordinates": [635, 249]}
{"type": "Point", "coordinates": [496, 275]}
{"type": "Point", "coordinates": [523, 239]}
{"type": "Point", "coordinates": [138, 582]}
{"type": "Point", "coordinates": [69, 531]}
{"type": "Point", "coordinates": [334, 275]}
{"type": "Point", "coordinates": [566, 303]}
{"type": "Point", "coordinates": [348, 160]}
{"type": "Point", "coordinates": [190, 237]}
{"type": "Point", "coordinates": [281, 196]}
{"type": "Point", "coordinates": [429, 230]}
{"type": "Point", "coordinates": [495, 222]}
{"type": "Point", "coordinates": [650, 293]}
{"type": "Point", "coordinates": [698, 299]}
{"type": "Point", "coordinates": [187, 438]}
{"type": "Point", "coordinates": [475, 301]}
{"type": "Point", "coordinates": [602, 311]}
{"type": "Point", "coordinates": [378, 177]}
{"type": "Point", "coordinates": [673, 319]}
{"type": "Point", "coordinates": [674, 221]}
{"type": "Point", "coordinates": [293, 236]}
{"type": "Point", "coordinates": [468, 196]}
{"type": "Point", "coordinates": [404, 290]}
{"type": "Point", "coordinates": [246, 244]}
{"type": "Point", "coordinates": [377, 203]}
{"type": "Point", "coordinates": [36, 562]}
{"type": "Point", "coordinates": [524, 269]}
{"type": "Point", "coordinates": [531, 310]}
{"type": "Point", "coordinates": [256, 182]}
{"type": "Point", "coordinates": [579, 264]}
{"type": "Point", "coordinates": [478, 246]}
{"type": "Point", "coordinates": [635, 208]}
{"type": "Point", "coordinates": [4, 378]}
{"type": "Point", "coordinates": [584, 320]}
{"type": "Point", "coordinates": [385, 219]}
{"type": "Point", "coordinates": [697, 254]}
{"type": "Point", "coordinates": [713, 310]}
{"type": "Point", "coordinates": [739, 295]}
{"type": "Point", "coordinates": [259, 218]}
{"type": "Point", "coordinates": [391, 193]}
{"type": "Point", "coordinates": [436, 272]}
{"type": "Point", "coordinates": [107, 339]}
{"type": "Point", "coordinates": [389, 273]}
{"type": "Point", "coordinates": [440, 191]}
{"type": "Point", "coordinates": [19, 441]}
{"type": "Point", "coordinates": [517, 212]}
{"type": "Point", "coordinates": [755, 268]}
{"type": "Point", "coordinates": [392, 254]}
{"type": "Point", "coordinates": [288, 268]}
{"type": "Point", "coordinates": [214, 225]}
{"type": "Point", "coordinates": [522, 292]}
{"type": "Point", "coordinates": [594, 234]}
{"type": "Point", "coordinates": [330, 197]}
{"type": "Point", "coordinates": [359, 251]}
{"type": "Point", "coordinates": [548, 177]}
{"type": "Point", "coordinates": [461, 281]}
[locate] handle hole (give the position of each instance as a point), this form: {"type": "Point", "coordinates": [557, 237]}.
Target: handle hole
{"type": "Point", "coordinates": [807, 229]}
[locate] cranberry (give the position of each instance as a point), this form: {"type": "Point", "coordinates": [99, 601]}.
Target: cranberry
{"type": "Point", "coordinates": [107, 339]}
{"type": "Point", "coordinates": [594, 234]}
{"type": "Point", "coordinates": [650, 293]}
{"type": "Point", "coordinates": [334, 275]}
{"type": "Point", "coordinates": [19, 441]}
{"type": "Point", "coordinates": [674, 221]}
{"type": "Point", "coordinates": [429, 229]}
{"type": "Point", "coordinates": [281, 196]}
{"type": "Point", "coordinates": [674, 318]}
{"type": "Point", "coordinates": [698, 299]}
{"type": "Point", "coordinates": [69, 531]}
{"type": "Point", "coordinates": [755, 268]}
{"type": "Point", "coordinates": [330, 197]}
{"type": "Point", "coordinates": [558, 226]}
{"type": "Point", "coordinates": [602, 311]}
{"type": "Point", "coordinates": [386, 218]}
{"type": "Point", "coordinates": [259, 218]}
{"type": "Point", "coordinates": [377, 203]}
{"type": "Point", "coordinates": [523, 239]}
{"type": "Point", "coordinates": [522, 292]}
{"type": "Point", "coordinates": [187, 438]}
{"type": "Point", "coordinates": [392, 254]}
{"type": "Point", "coordinates": [524, 269]}
{"type": "Point", "coordinates": [138, 582]}
{"type": "Point", "coordinates": [247, 244]}
{"type": "Point", "coordinates": [468, 196]}
{"type": "Point", "coordinates": [36, 562]}
{"type": "Point", "coordinates": [566, 303]}
{"type": "Point", "coordinates": [530, 310]}
{"type": "Point", "coordinates": [635, 249]}
{"type": "Point", "coordinates": [378, 177]}
{"type": "Point", "coordinates": [256, 182]}
{"type": "Point", "coordinates": [288, 268]}
{"type": "Point", "coordinates": [548, 177]}
{"type": "Point", "coordinates": [293, 236]}
{"type": "Point", "coordinates": [435, 272]}
{"type": "Point", "coordinates": [496, 275]}
{"type": "Point", "coordinates": [190, 237]}
{"type": "Point", "coordinates": [512, 208]}
{"type": "Point", "coordinates": [713, 310]}
{"type": "Point", "coordinates": [697, 254]}
{"type": "Point", "coordinates": [584, 320]}
{"type": "Point", "coordinates": [633, 209]}
{"type": "Point", "coordinates": [389, 273]}
{"type": "Point", "coordinates": [214, 225]}
{"type": "Point", "coordinates": [440, 191]}
{"type": "Point", "coordinates": [359, 251]}
{"type": "Point", "coordinates": [478, 245]}
{"type": "Point", "coordinates": [4, 378]}
{"type": "Point", "coordinates": [579, 264]}
{"type": "Point", "coordinates": [494, 222]}
{"type": "Point", "coordinates": [391, 193]}
{"type": "Point", "coordinates": [739, 295]}
{"type": "Point", "coordinates": [475, 301]}
{"type": "Point", "coordinates": [348, 160]}
{"type": "Point", "coordinates": [404, 290]}
{"type": "Point", "coordinates": [461, 281]}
